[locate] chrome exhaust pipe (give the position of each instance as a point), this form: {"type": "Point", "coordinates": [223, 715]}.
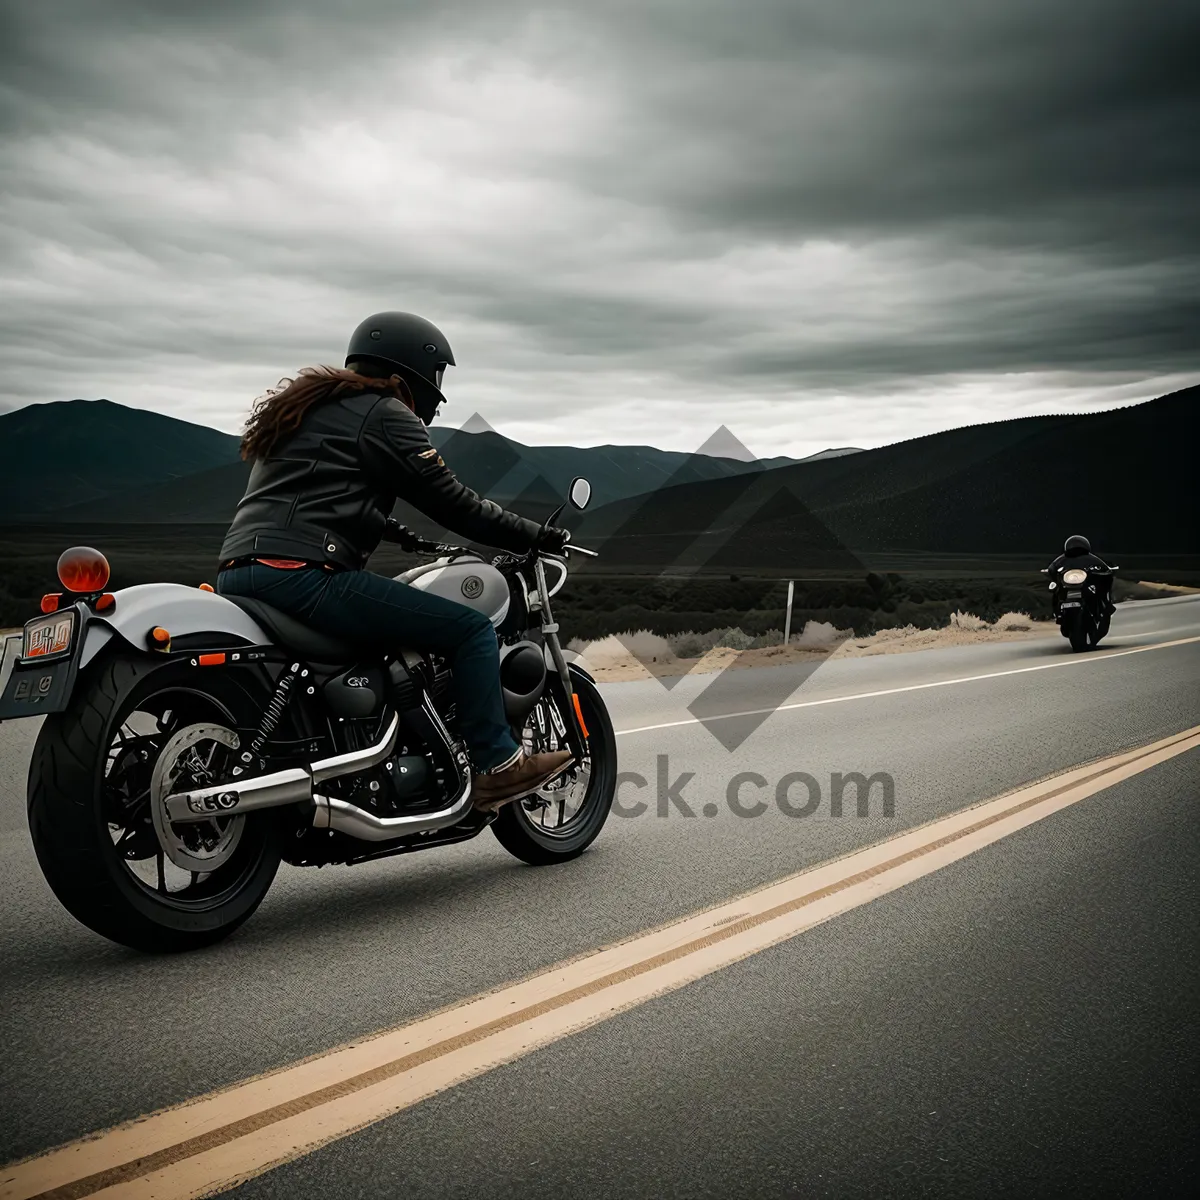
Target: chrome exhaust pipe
{"type": "Point", "coordinates": [355, 822]}
{"type": "Point", "coordinates": [358, 823]}
{"type": "Point", "coordinates": [291, 786]}
{"type": "Point", "coordinates": [343, 817]}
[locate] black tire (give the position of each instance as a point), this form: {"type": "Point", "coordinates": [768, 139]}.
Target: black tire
{"type": "Point", "coordinates": [70, 807]}
{"type": "Point", "coordinates": [1077, 632]}
{"type": "Point", "coordinates": [522, 837]}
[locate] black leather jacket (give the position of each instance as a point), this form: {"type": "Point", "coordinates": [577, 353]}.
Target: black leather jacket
{"type": "Point", "coordinates": [325, 492]}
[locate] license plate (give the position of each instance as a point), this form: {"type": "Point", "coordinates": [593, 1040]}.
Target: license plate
{"type": "Point", "coordinates": [49, 637]}
{"type": "Point", "coordinates": [1071, 604]}
{"type": "Point", "coordinates": [38, 667]}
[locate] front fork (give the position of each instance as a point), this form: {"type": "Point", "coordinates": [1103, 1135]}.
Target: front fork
{"type": "Point", "coordinates": [576, 737]}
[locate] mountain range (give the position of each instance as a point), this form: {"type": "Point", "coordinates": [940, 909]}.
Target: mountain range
{"type": "Point", "coordinates": [87, 461]}
{"type": "Point", "coordinates": [81, 451]}
{"type": "Point", "coordinates": [1124, 477]}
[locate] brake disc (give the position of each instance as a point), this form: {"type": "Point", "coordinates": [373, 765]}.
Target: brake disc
{"type": "Point", "coordinates": [199, 846]}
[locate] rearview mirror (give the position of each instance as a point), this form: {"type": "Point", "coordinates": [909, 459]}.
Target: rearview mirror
{"type": "Point", "coordinates": [580, 492]}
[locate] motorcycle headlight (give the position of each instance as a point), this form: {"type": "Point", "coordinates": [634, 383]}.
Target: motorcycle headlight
{"type": "Point", "coordinates": [1075, 576]}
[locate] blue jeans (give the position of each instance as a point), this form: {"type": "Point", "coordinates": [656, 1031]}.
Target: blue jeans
{"type": "Point", "coordinates": [364, 608]}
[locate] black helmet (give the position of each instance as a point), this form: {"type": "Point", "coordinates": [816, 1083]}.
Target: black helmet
{"type": "Point", "coordinates": [1076, 544]}
{"type": "Point", "coordinates": [414, 348]}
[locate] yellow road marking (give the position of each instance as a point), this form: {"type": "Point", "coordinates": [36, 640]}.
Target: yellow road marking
{"type": "Point", "coordinates": [217, 1141]}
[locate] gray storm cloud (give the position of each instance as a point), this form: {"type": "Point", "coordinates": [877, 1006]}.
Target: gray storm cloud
{"type": "Point", "coordinates": [814, 222]}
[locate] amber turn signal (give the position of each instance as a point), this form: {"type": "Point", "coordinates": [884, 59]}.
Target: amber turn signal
{"type": "Point", "coordinates": [82, 569]}
{"type": "Point", "coordinates": [160, 635]}
{"type": "Point", "coordinates": [50, 601]}
{"type": "Point", "coordinates": [105, 602]}
{"type": "Point", "coordinates": [207, 587]}
{"type": "Point", "coordinates": [211, 660]}
{"type": "Point", "coordinates": [579, 716]}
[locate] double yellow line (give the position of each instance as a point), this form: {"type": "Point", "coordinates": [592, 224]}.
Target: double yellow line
{"type": "Point", "coordinates": [217, 1141]}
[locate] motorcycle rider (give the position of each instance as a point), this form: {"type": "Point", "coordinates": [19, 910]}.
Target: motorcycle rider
{"type": "Point", "coordinates": [1077, 552]}
{"type": "Point", "coordinates": [332, 450]}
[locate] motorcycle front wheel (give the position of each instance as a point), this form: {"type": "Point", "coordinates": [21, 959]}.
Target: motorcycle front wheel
{"type": "Point", "coordinates": [561, 821]}
{"type": "Point", "coordinates": [135, 730]}
{"type": "Point", "coordinates": [1078, 632]}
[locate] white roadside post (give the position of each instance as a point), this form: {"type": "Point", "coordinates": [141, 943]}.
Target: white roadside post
{"type": "Point", "coordinates": [787, 622]}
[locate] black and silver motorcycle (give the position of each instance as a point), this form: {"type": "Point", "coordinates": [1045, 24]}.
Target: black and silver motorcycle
{"type": "Point", "coordinates": [192, 742]}
{"type": "Point", "coordinates": [1083, 616]}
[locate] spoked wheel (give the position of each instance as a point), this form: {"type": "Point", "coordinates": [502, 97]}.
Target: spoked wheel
{"type": "Point", "coordinates": [561, 820]}
{"type": "Point", "coordinates": [150, 757]}
{"type": "Point", "coordinates": [100, 776]}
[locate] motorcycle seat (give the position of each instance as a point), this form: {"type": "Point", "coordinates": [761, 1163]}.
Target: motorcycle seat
{"type": "Point", "coordinates": [296, 636]}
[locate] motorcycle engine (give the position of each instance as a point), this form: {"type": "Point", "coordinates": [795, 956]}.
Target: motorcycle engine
{"type": "Point", "coordinates": [401, 783]}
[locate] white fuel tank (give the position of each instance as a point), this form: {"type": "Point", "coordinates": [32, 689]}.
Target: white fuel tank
{"type": "Point", "coordinates": [467, 580]}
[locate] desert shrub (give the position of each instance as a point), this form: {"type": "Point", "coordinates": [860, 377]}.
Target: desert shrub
{"type": "Point", "coordinates": [968, 621]}
{"type": "Point", "coordinates": [819, 635]}
{"type": "Point", "coordinates": [1014, 621]}
{"type": "Point", "coordinates": [734, 639]}
{"type": "Point", "coordinates": [689, 645]}
{"type": "Point", "coordinates": [645, 646]}
{"type": "Point", "coordinates": [772, 637]}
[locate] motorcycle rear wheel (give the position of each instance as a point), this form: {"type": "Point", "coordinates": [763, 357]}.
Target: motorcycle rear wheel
{"type": "Point", "coordinates": [90, 814]}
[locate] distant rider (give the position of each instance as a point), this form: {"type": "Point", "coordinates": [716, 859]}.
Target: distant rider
{"type": "Point", "coordinates": [1077, 552]}
{"type": "Point", "coordinates": [332, 450]}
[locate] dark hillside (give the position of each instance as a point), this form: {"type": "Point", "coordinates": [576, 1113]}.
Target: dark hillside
{"type": "Point", "coordinates": [1125, 477]}
{"type": "Point", "coordinates": [77, 451]}
{"type": "Point", "coordinates": [116, 465]}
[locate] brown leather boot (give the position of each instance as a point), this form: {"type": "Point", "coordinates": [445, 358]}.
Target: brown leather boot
{"type": "Point", "coordinates": [530, 772]}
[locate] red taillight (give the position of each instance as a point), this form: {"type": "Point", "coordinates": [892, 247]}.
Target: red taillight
{"type": "Point", "coordinates": [82, 569]}
{"type": "Point", "coordinates": [50, 601]}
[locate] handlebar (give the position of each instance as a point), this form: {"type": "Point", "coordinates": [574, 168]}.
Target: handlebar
{"type": "Point", "coordinates": [402, 536]}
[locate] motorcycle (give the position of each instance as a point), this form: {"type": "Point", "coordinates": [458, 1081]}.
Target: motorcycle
{"type": "Point", "coordinates": [1083, 617]}
{"type": "Point", "coordinates": [192, 742]}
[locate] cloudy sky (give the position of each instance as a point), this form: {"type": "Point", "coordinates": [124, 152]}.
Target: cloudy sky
{"type": "Point", "coordinates": [820, 222]}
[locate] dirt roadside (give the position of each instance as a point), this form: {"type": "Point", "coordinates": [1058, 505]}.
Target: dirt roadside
{"type": "Point", "coordinates": [612, 662]}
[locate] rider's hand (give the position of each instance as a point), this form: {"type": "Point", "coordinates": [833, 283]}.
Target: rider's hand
{"type": "Point", "coordinates": [401, 536]}
{"type": "Point", "coordinates": [552, 540]}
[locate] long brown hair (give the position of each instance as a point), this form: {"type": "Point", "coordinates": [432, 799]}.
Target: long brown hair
{"type": "Point", "coordinates": [279, 411]}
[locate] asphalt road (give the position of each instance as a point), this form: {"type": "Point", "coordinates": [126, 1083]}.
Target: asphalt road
{"type": "Point", "coordinates": [1021, 1022]}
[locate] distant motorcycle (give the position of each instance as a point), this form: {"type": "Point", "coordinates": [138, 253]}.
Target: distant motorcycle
{"type": "Point", "coordinates": [193, 741]}
{"type": "Point", "coordinates": [1082, 615]}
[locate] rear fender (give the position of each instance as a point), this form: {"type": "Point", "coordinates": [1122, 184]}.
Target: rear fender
{"type": "Point", "coordinates": [181, 611]}
{"type": "Point", "coordinates": [204, 617]}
